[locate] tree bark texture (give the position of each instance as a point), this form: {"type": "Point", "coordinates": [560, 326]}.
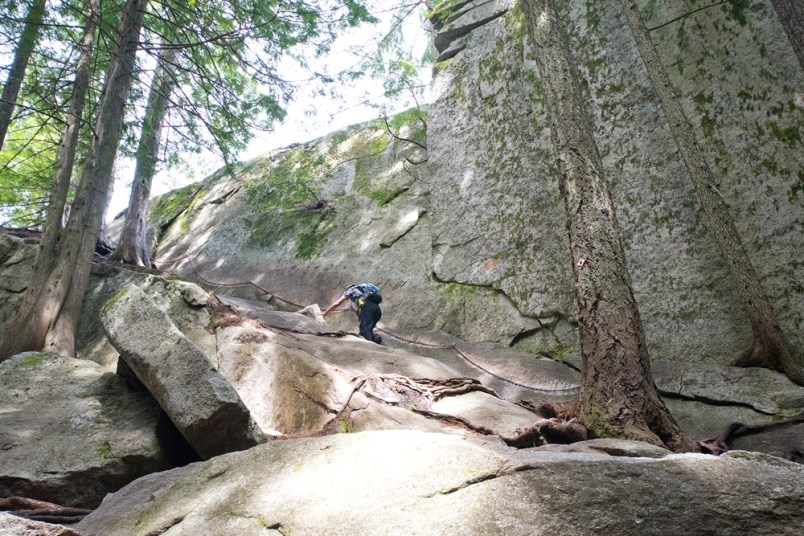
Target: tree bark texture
{"type": "Point", "coordinates": [770, 348]}
{"type": "Point", "coordinates": [618, 395]}
{"type": "Point", "coordinates": [132, 248]}
{"type": "Point", "coordinates": [50, 321]}
{"type": "Point", "coordinates": [69, 143]}
{"type": "Point", "coordinates": [791, 15]}
{"type": "Point", "coordinates": [22, 54]}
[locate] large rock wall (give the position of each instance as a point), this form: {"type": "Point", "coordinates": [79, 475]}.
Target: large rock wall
{"type": "Point", "coordinates": [468, 235]}
{"type": "Point", "coordinates": [298, 225]}
{"type": "Point", "coordinates": [741, 85]}
{"type": "Point", "coordinates": [497, 214]}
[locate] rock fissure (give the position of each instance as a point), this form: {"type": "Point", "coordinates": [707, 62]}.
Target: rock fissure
{"type": "Point", "coordinates": [473, 481]}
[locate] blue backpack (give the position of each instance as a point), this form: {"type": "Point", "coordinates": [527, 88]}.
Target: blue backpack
{"type": "Point", "coordinates": [369, 293]}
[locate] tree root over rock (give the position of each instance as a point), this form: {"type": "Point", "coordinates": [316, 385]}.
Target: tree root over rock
{"type": "Point", "coordinates": [551, 430]}
{"type": "Point", "coordinates": [42, 511]}
{"type": "Point", "coordinates": [559, 425]}
{"type": "Point", "coordinates": [723, 441]}
{"type": "Point", "coordinates": [415, 393]}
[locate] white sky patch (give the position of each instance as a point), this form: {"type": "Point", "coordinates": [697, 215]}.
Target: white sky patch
{"type": "Point", "coordinates": [308, 116]}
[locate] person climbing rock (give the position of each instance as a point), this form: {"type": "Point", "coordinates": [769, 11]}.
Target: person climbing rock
{"type": "Point", "coordinates": [366, 299]}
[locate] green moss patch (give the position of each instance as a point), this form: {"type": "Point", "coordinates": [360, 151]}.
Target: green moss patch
{"type": "Point", "coordinates": [114, 299]}
{"type": "Point", "coordinates": [32, 360]}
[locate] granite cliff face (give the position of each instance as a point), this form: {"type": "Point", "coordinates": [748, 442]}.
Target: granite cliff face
{"type": "Point", "coordinates": [740, 84]}
{"type": "Point", "coordinates": [468, 235]}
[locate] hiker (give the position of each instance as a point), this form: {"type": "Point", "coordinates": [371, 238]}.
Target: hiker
{"type": "Point", "coordinates": [366, 301]}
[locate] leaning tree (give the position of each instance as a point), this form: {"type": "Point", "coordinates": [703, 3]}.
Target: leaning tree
{"type": "Point", "coordinates": [48, 315]}
{"type": "Point", "coordinates": [22, 54]}
{"type": "Point", "coordinates": [770, 348]}
{"type": "Point", "coordinates": [618, 395]}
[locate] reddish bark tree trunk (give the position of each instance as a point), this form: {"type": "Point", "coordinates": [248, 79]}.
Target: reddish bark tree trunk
{"type": "Point", "coordinates": [618, 396]}
{"type": "Point", "coordinates": [22, 54]}
{"type": "Point", "coordinates": [49, 322]}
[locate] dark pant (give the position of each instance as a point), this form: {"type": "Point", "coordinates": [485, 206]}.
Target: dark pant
{"type": "Point", "coordinates": [369, 317]}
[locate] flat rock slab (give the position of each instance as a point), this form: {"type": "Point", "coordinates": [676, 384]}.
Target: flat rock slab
{"type": "Point", "coordinates": [484, 411]}
{"type": "Point", "coordinates": [70, 432]}
{"type": "Point", "coordinates": [765, 390]}
{"type": "Point", "coordinates": [523, 368]}
{"type": "Point", "coordinates": [198, 399]}
{"type": "Point", "coordinates": [413, 483]}
{"type": "Point", "coordinates": [18, 526]}
{"type": "Point", "coordinates": [296, 322]}
{"type": "Point", "coordinates": [287, 390]}
{"type": "Point", "coordinates": [361, 357]}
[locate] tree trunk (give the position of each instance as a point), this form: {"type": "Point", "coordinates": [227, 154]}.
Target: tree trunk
{"type": "Point", "coordinates": [54, 222]}
{"type": "Point", "coordinates": [791, 15]}
{"type": "Point", "coordinates": [618, 395]}
{"type": "Point", "coordinates": [61, 185]}
{"type": "Point", "coordinates": [28, 40]}
{"type": "Point", "coordinates": [132, 248]}
{"type": "Point", "coordinates": [770, 348]}
{"type": "Point", "coordinates": [49, 323]}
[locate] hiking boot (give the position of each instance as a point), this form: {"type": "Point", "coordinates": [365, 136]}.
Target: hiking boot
{"type": "Point", "coordinates": [378, 339]}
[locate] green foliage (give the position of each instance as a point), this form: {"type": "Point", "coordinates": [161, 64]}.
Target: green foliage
{"type": "Point", "coordinates": [284, 195]}
{"type": "Point", "coordinates": [343, 426]}
{"type": "Point", "coordinates": [311, 239]}
{"type": "Point", "coordinates": [27, 171]}
{"type": "Point", "coordinates": [233, 59]}
{"type": "Point", "coordinates": [560, 353]}
{"type": "Point", "coordinates": [105, 450]}
{"type": "Point", "coordinates": [393, 62]}
{"type": "Point", "coordinates": [114, 299]}
{"type": "Point", "coordinates": [416, 117]}
{"type": "Point", "coordinates": [167, 207]}
{"type": "Point", "coordinates": [790, 136]}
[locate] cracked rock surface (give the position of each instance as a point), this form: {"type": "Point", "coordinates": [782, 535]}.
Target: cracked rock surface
{"type": "Point", "coordinates": [406, 482]}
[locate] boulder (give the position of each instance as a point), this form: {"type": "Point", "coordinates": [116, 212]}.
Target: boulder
{"type": "Point", "coordinates": [197, 398]}
{"type": "Point", "coordinates": [404, 482]}
{"type": "Point", "coordinates": [16, 265]}
{"type": "Point", "coordinates": [18, 526]}
{"type": "Point", "coordinates": [287, 390]}
{"type": "Point", "coordinates": [181, 300]}
{"type": "Point", "coordinates": [70, 432]}
{"type": "Point", "coordinates": [705, 400]}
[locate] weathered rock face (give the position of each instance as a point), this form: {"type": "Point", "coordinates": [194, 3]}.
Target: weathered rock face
{"type": "Point", "coordinates": [496, 213]}
{"type": "Point", "coordinates": [16, 263]}
{"type": "Point", "coordinates": [71, 432]}
{"type": "Point", "coordinates": [403, 482]}
{"type": "Point", "coordinates": [286, 389]}
{"type": "Point", "coordinates": [183, 302]}
{"type": "Point", "coordinates": [473, 241]}
{"type": "Point", "coordinates": [197, 398]}
{"type": "Point", "coordinates": [18, 526]}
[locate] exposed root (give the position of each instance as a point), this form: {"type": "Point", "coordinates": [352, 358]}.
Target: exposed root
{"type": "Point", "coordinates": [552, 430]}
{"type": "Point", "coordinates": [41, 510]}
{"type": "Point", "coordinates": [723, 441]}
{"type": "Point", "coordinates": [560, 410]}
{"type": "Point", "coordinates": [453, 386]}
